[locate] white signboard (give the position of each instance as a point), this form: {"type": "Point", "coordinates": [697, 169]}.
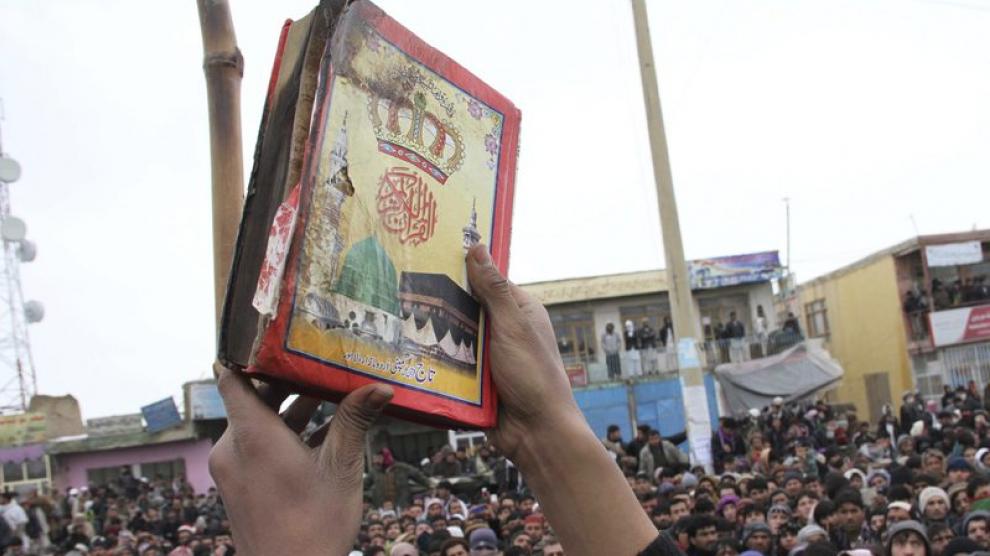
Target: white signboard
{"type": "Point", "coordinates": [954, 254]}
{"type": "Point", "coordinates": [698, 425]}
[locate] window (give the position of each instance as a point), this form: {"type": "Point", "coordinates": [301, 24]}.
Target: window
{"type": "Point", "coordinates": [817, 317]}
{"type": "Point", "coordinates": [167, 470]}
{"type": "Point", "coordinates": [575, 333]}
{"type": "Point", "coordinates": [13, 471]}
{"type": "Point", "coordinates": [36, 468]}
{"type": "Point", "coordinates": [102, 476]}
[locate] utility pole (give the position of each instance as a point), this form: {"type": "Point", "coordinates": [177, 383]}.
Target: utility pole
{"type": "Point", "coordinates": [687, 327]}
{"type": "Point", "coordinates": [787, 212]}
{"type": "Point", "coordinates": [224, 67]}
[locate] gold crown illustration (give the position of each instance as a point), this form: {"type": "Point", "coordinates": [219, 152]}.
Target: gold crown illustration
{"type": "Point", "coordinates": [407, 130]}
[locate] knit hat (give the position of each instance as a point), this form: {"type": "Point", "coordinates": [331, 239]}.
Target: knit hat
{"type": "Point", "coordinates": [689, 480]}
{"type": "Point", "coordinates": [928, 493]}
{"type": "Point", "coordinates": [980, 454]}
{"type": "Point", "coordinates": [849, 475]}
{"type": "Point", "coordinates": [900, 505]}
{"type": "Point", "coordinates": [483, 538]}
{"type": "Point", "coordinates": [727, 500]}
{"type": "Point", "coordinates": [780, 508]}
{"type": "Point", "coordinates": [809, 531]}
{"type": "Point", "coordinates": [752, 528]}
{"type": "Point", "coordinates": [909, 525]}
{"type": "Point", "coordinates": [958, 463]}
{"type": "Point", "coordinates": [877, 473]}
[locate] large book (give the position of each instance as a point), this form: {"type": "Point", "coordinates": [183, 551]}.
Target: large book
{"type": "Point", "coordinates": [380, 162]}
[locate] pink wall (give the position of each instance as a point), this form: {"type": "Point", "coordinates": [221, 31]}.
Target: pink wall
{"type": "Point", "coordinates": [70, 469]}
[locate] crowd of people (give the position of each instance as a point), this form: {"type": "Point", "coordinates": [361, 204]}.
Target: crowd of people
{"type": "Point", "coordinates": [792, 479]}
{"type": "Point", "coordinates": [129, 516]}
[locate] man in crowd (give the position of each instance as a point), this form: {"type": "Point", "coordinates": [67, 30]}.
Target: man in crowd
{"type": "Point", "coordinates": [612, 346]}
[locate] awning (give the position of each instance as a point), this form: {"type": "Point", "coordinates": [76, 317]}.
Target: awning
{"type": "Point", "coordinates": [800, 372]}
{"type": "Point", "coordinates": [17, 454]}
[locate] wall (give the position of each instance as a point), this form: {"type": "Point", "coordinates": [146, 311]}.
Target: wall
{"type": "Point", "coordinates": [656, 402]}
{"type": "Point", "coordinates": [866, 330]}
{"type": "Point", "coordinates": [70, 469]}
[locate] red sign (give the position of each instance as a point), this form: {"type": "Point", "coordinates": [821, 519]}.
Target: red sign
{"type": "Point", "coordinates": [956, 326]}
{"type": "Point", "coordinates": [577, 374]}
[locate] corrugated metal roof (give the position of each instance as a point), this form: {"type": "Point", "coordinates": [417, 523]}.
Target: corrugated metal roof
{"type": "Point", "coordinates": [598, 287]}
{"type": "Point", "coordinates": [76, 444]}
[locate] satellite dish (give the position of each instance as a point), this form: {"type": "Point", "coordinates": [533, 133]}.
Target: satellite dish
{"type": "Point", "coordinates": [10, 170]}
{"type": "Point", "coordinates": [13, 229]}
{"type": "Point", "coordinates": [27, 251]}
{"type": "Point", "coordinates": [34, 311]}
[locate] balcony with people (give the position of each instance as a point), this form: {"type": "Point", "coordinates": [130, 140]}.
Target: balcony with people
{"type": "Point", "coordinates": [941, 285]}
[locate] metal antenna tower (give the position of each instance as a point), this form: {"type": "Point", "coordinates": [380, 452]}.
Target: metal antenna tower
{"type": "Point", "coordinates": [17, 379]}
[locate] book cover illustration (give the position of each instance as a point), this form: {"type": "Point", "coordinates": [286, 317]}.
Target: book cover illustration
{"type": "Point", "coordinates": [410, 163]}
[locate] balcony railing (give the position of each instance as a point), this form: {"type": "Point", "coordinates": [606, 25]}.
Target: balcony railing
{"type": "Point", "coordinates": [635, 364]}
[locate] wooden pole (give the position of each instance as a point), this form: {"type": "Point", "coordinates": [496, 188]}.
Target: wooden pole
{"type": "Point", "coordinates": [224, 67]}
{"type": "Point", "coordinates": [687, 327]}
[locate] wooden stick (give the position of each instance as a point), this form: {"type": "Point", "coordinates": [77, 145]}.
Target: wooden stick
{"type": "Point", "coordinates": [224, 67]}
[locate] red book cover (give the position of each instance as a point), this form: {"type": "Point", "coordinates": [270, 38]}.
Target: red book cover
{"type": "Point", "coordinates": [411, 160]}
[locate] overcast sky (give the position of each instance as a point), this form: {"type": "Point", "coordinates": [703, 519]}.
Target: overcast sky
{"type": "Point", "coordinates": [864, 113]}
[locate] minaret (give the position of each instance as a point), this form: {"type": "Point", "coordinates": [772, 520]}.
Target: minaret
{"type": "Point", "coordinates": [338, 188]}
{"type": "Point", "coordinates": [471, 238]}
{"type": "Point", "coordinates": [471, 234]}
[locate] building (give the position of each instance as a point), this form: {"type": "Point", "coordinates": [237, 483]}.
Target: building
{"type": "Point", "coordinates": [580, 308]}
{"type": "Point", "coordinates": [915, 316]}
{"type": "Point", "coordinates": [178, 446]}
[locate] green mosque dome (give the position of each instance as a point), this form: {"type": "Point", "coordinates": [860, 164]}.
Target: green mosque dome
{"type": "Point", "coordinates": [369, 276]}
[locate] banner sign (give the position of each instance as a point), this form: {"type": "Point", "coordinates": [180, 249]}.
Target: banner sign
{"type": "Point", "coordinates": [733, 270]}
{"type": "Point", "coordinates": [956, 326]}
{"type": "Point", "coordinates": [577, 374]}
{"type": "Point", "coordinates": [161, 415]}
{"type": "Point", "coordinates": [205, 402]}
{"type": "Point", "coordinates": [23, 428]}
{"type": "Point", "coordinates": [954, 254]}
{"type": "Point", "coordinates": [117, 424]}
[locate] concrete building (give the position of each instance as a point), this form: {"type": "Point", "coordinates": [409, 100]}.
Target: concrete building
{"type": "Point", "coordinates": [915, 316]}
{"type": "Point", "coordinates": [580, 308]}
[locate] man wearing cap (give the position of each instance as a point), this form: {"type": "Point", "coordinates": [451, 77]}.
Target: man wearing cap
{"type": "Point", "coordinates": [958, 470]}
{"type": "Point", "coordinates": [533, 526]}
{"type": "Point", "coordinates": [483, 542]}
{"type": "Point", "coordinates": [778, 515]}
{"type": "Point", "coordinates": [898, 510]}
{"type": "Point", "coordinates": [907, 538]}
{"type": "Point", "coordinates": [757, 536]}
{"type": "Point", "coordinates": [933, 503]}
{"type": "Point", "coordinates": [852, 518]}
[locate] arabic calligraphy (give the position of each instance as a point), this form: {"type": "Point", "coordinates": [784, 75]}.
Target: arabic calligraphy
{"type": "Point", "coordinates": [406, 205]}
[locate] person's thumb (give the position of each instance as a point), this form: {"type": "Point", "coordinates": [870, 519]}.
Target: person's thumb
{"type": "Point", "coordinates": [342, 452]}
{"type": "Point", "coordinates": [488, 284]}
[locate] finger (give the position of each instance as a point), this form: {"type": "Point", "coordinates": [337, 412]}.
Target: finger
{"type": "Point", "coordinates": [492, 288]}
{"type": "Point", "coordinates": [240, 399]}
{"type": "Point", "coordinates": [300, 412]}
{"type": "Point", "coordinates": [272, 394]}
{"type": "Point", "coordinates": [342, 453]}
